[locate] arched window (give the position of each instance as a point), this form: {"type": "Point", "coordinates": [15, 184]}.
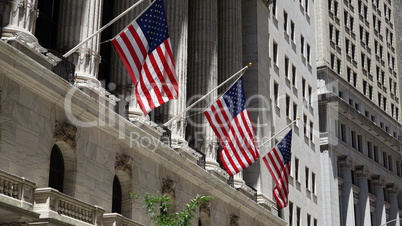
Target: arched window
{"type": "Point", "coordinates": [56, 172]}
{"type": "Point", "coordinates": [117, 196]}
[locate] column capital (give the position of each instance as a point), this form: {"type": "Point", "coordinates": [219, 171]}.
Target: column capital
{"type": "Point", "coordinates": [392, 189]}
{"type": "Point", "coordinates": [345, 162]}
{"type": "Point", "coordinates": [361, 171]}
{"type": "Point", "coordinates": [377, 181]}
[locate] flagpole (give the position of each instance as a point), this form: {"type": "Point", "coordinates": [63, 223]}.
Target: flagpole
{"type": "Point", "coordinates": [278, 133]}
{"type": "Point", "coordinates": [203, 97]}
{"type": "Point", "coordinates": [102, 28]}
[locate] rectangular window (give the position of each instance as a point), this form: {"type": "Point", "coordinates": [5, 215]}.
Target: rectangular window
{"type": "Point", "coordinates": [390, 165]}
{"type": "Point", "coordinates": [375, 150]}
{"type": "Point", "coordinates": [313, 183]}
{"type": "Point", "coordinates": [302, 44]}
{"type": "Point", "coordinates": [370, 149]}
{"type": "Point", "coordinates": [336, 8]}
{"type": "Point", "coordinates": [298, 215]}
{"type": "Point", "coordinates": [275, 52]}
{"type": "Point", "coordinates": [276, 93]}
{"type": "Point", "coordinates": [274, 7]}
{"type": "Point", "coordinates": [338, 66]}
{"type": "Point", "coordinates": [306, 6]}
{"type": "Point", "coordinates": [385, 159]}
{"type": "Point", "coordinates": [308, 220]}
{"type": "Point", "coordinates": [288, 106]}
{"type": "Point", "coordinates": [294, 111]}
{"type": "Point", "coordinates": [370, 186]}
{"type": "Point", "coordinates": [353, 137]}
{"type": "Point", "coordinates": [290, 213]}
{"type": "Point", "coordinates": [304, 87]}
{"type": "Point", "coordinates": [364, 87]}
{"type": "Point", "coordinates": [307, 171]}
{"type": "Point", "coordinates": [285, 21]}
{"type": "Point", "coordinates": [343, 132]}
{"type": "Point", "coordinates": [337, 37]}
{"type": "Point", "coordinates": [311, 131]}
{"type": "Point", "coordinates": [286, 67]}
{"type": "Point", "coordinates": [359, 143]}
{"type": "Point", "coordinates": [293, 75]}
{"type": "Point", "coordinates": [292, 30]}
{"type": "Point", "coordinates": [308, 53]}
{"type": "Point", "coordinates": [296, 169]}
{"type": "Point", "coordinates": [305, 124]}
{"type": "Point", "coordinates": [345, 18]}
{"type": "Point", "coordinates": [351, 19]}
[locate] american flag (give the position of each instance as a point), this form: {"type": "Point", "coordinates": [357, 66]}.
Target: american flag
{"type": "Point", "coordinates": [231, 123]}
{"type": "Point", "coordinates": [278, 164]}
{"type": "Point", "coordinates": [144, 47]}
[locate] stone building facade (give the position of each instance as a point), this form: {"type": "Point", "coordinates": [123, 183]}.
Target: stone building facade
{"type": "Point", "coordinates": [359, 100]}
{"type": "Point", "coordinates": [73, 142]}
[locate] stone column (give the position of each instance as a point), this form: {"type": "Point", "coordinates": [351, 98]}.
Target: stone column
{"type": "Point", "coordinates": [230, 50]}
{"type": "Point", "coordinates": [347, 191]}
{"type": "Point", "coordinates": [393, 199]}
{"type": "Point", "coordinates": [118, 73]}
{"type": "Point", "coordinates": [378, 184]}
{"type": "Point", "coordinates": [19, 16]}
{"type": "Point", "coordinates": [364, 201]}
{"type": "Point", "coordinates": [203, 75]}
{"type": "Point", "coordinates": [230, 40]}
{"type": "Point", "coordinates": [177, 15]}
{"type": "Point", "coordinates": [79, 20]}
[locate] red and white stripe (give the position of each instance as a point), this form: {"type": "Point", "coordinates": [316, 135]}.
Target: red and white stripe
{"type": "Point", "coordinates": [153, 73]}
{"type": "Point", "coordinates": [280, 173]}
{"type": "Point", "coordinates": [236, 136]}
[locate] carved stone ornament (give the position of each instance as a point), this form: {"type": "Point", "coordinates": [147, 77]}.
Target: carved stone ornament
{"type": "Point", "coordinates": [205, 207]}
{"type": "Point", "coordinates": [392, 189]}
{"type": "Point", "coordinates": [124, 163]}
{"type": "Point", "coordinates": [234, 220]}
{"type": "Point", "coordinates": [377, 181]}
{"type": "Point", "coordinates": [361, 171]}
{"type": "Point", "coordinates": [345, 161]}
{"type": "Point", "coordinates": [169, 187]}
{"type": "Point", "coordinates": [66, 133]}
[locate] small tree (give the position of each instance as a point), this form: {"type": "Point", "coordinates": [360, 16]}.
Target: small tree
{"type": "Point", "coordinates": [151, 204]}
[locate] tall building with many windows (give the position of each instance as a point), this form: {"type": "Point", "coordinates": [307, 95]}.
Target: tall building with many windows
{"type": "Point", "coordinates": [293, 91]}
{"type": "Point", "coordinates": [359, 100]}
{"type": "Point", "coordinates": [73, 142]}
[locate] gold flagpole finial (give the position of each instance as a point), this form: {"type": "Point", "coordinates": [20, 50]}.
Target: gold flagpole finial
{"type": "Point", "coordinates": [250, 64]}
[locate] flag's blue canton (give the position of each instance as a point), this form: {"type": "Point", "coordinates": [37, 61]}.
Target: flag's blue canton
{"type": "Point", "coordinates": [284, 147]}
{"type": "Point", "coordinates": [234, 98]}
{"type": "Point", "coordinates": [154, 25]}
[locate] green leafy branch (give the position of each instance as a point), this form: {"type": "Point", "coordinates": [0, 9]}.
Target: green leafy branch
{"type": "Point", "coordinates": [157, 207]}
